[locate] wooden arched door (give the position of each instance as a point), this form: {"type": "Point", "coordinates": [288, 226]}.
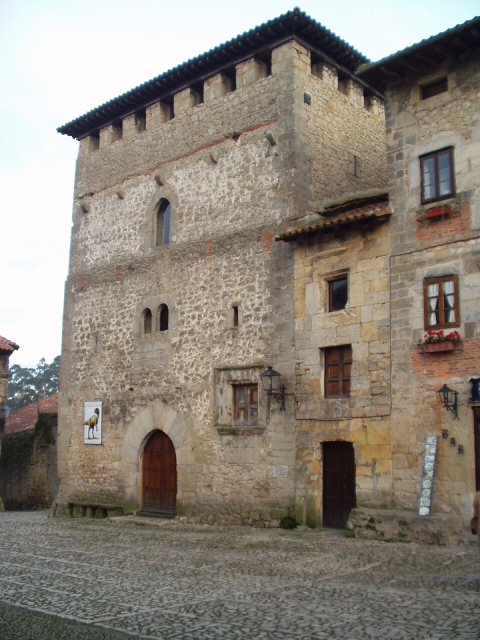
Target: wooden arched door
{"type": "Point", "coordinates": [339, 496]}
{"type": "Point", "coordinates": [159, 477]}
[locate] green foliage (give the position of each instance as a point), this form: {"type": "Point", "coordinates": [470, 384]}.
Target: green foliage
{"type": "Point", "coordinates": [28, 384]}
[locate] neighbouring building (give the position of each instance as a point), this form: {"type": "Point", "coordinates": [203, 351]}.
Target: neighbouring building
{"type": "Point", "coordinates": [250, 209]}
{"type": "Point", "coordinates": [7, 347]}
{"type": "Point", "coordinates": [432, 94]}
{"type": "Point", "coordinates": [28, 463]}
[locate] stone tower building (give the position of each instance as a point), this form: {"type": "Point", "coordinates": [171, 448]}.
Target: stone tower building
{"type": "Point", "coordinates": [241, 212]}
{"type": "Point", "coordinates": [178, 296]}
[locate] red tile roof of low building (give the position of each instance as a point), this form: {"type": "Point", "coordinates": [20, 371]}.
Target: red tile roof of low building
{"type": "Point", "coordinates": [8, 345]}
{"type": "Point", "coordinates": [374, 207]}
{"type": "Point", "coordinates": [25, 419]}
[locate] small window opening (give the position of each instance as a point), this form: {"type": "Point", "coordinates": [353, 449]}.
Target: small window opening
{"type": "Point", "coordinates": [163, 223]}
{"type": "Point", "coordinates": [167, 104]}
{"type": "Point", "coordinates": [338, 294]}
{"type": "Point", "coordinates": [235, 316]}
{"type": "Point", "coordinates": [147, 321]}
{"type": "Point", "coordinates": [163, 317]}
{"type": "Point", "coordinates": [140, 121]}
{"type": "Point", "coordinates": [94, 142]}
{"type": "Point", "coordinates": [117, 131]}
{"type": "Point", "coordinates": [434, 88]}
{"type": "Point", "coordinates": [231, 74]}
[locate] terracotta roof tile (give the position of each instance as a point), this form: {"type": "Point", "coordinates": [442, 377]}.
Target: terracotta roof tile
{"type": "Point", "coordinates": [8, 345]}
{"type": "Point", "coordinates": [25, 419]}
{"type": "Point", "coordinates": [340, 215]}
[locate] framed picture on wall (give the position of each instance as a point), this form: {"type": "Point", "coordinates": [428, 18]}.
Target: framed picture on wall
{"type": "Point", "coordinates": [92, 423]}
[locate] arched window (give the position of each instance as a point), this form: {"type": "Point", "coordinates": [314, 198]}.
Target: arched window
{"type": "Point", "coordinates": [163, 317]}
{"type": "Point", "coordinates": [147, 321]}
{"type": "Point", "coordinates": [163, 223]}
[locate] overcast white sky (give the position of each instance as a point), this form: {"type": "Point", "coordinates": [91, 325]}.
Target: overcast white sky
{"type": "Point", "coordinates": [61, 58]}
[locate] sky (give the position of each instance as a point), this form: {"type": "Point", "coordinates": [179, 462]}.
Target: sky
{"type": "Point", "coordinates": [61, 58]}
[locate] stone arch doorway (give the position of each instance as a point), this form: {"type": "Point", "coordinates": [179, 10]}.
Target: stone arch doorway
{"type": "Point", "coordinates": [159, 476]}
{"type": "Point", "coordinates": [339, 496]}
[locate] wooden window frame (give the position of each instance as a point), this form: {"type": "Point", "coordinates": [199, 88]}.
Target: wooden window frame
{"type": "Point", "coordinates": [435, 156]}
{"type": "Point", "coordinates": [338, 371]}
{"type": "Point", "coordinates": [245, 405]}
{"type": "Point", "coordinates": [441, 303]}
{"type": "Point", "coordinates": [332, 305]}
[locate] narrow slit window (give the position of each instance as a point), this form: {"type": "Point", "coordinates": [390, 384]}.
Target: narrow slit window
{"type": "Point", "coordinates": [147, 321]}
{"type": "Point", "coordinates": [163, 317]}
{"type": "Point", "coordinates": [163, 223]}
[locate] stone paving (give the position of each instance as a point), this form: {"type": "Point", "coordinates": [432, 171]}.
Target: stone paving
{"type": "Point", "coordinates": [126, 577]}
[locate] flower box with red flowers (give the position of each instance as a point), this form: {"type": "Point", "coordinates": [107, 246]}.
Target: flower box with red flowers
{"type": "Point", "coordinates": [439, 341]}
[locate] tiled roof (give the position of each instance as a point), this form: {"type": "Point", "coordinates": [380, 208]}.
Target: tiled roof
{"type": "Point", "coordinates": [341, 214]}
{"type": "Point", "coordinates": [424, 56]}
{"type": "Point", "coordinates": [25, 419]}
{"type": "Point", "coordinates": [7, 345]}
{"type": "Point", "coordinates": [324, 45]}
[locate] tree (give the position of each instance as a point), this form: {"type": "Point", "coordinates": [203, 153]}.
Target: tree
{"type": "Point", "coordinates": [28, 385]}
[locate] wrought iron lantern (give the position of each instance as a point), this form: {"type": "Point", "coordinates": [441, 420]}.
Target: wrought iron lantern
{"type": "Point", "coordinates": [448, 398]}
{"type": "Point", "coordinates": [475, 391]}
{"type": "Point", "coordinates": [271, 386]}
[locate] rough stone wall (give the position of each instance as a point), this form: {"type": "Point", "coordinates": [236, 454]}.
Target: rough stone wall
{"type": "Point", "coordinates": [228, 189]}
{"type": "Point", "coordinates": [28, 466]}
{"type": "Point", "coordinates": [430, 241]}
{"type": "Point", "coordinates": [340, 126]}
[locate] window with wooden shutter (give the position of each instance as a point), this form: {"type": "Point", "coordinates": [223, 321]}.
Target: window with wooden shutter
{"type": "Point", "coordinates": [338, 371]}
{"type": "Point", "coordinates": [246, 404]}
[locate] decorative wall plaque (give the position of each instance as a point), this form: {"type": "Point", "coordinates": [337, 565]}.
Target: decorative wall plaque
{"type": "Point", "coordinates": [92, 423]}
{"type": "Point", "coordinates": [429, 461]}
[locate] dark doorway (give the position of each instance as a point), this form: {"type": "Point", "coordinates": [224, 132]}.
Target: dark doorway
{"type": "Point", "coordinates": [476, 443]}
{"type": "Point", "coordinates": [338, 483]}
{"type": "Point", "coordinates": [159, 476]}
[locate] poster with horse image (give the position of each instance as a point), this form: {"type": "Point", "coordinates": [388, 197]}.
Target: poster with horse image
{"type": "Point", "coordinates": [92, 423]}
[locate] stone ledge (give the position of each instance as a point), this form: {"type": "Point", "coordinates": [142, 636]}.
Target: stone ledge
{"type": "Point", "coordinates": [391, 525]}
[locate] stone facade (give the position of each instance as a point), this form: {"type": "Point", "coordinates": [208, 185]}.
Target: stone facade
{"type": "Point", "coordinates": [426, 245]}
{"type": "Point", "coordinates": [275, 167]}
{"type": "Point", "coordinates": [434, 109]}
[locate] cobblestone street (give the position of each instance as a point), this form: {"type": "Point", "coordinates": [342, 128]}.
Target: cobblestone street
{"type": "Point", "coordinates": [161, 579]}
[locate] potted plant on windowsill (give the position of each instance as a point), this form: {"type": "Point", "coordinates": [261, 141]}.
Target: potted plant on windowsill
{"type": "Point", "coordinates": [439, 341]}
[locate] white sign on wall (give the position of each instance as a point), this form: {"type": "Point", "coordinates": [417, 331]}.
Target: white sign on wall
{"type": "Point", "coordinates": [92, 423]}
{"type": "Point", "coordinates": [426, 490]}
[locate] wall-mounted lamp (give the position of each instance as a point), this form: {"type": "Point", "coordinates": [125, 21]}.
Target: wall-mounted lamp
{"type": "Point", "coordinates": [448, 398]}
{"type": "Point", "coordinates": [271, 381]}
{"type": "Point", "coordinates": [475, 390]}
